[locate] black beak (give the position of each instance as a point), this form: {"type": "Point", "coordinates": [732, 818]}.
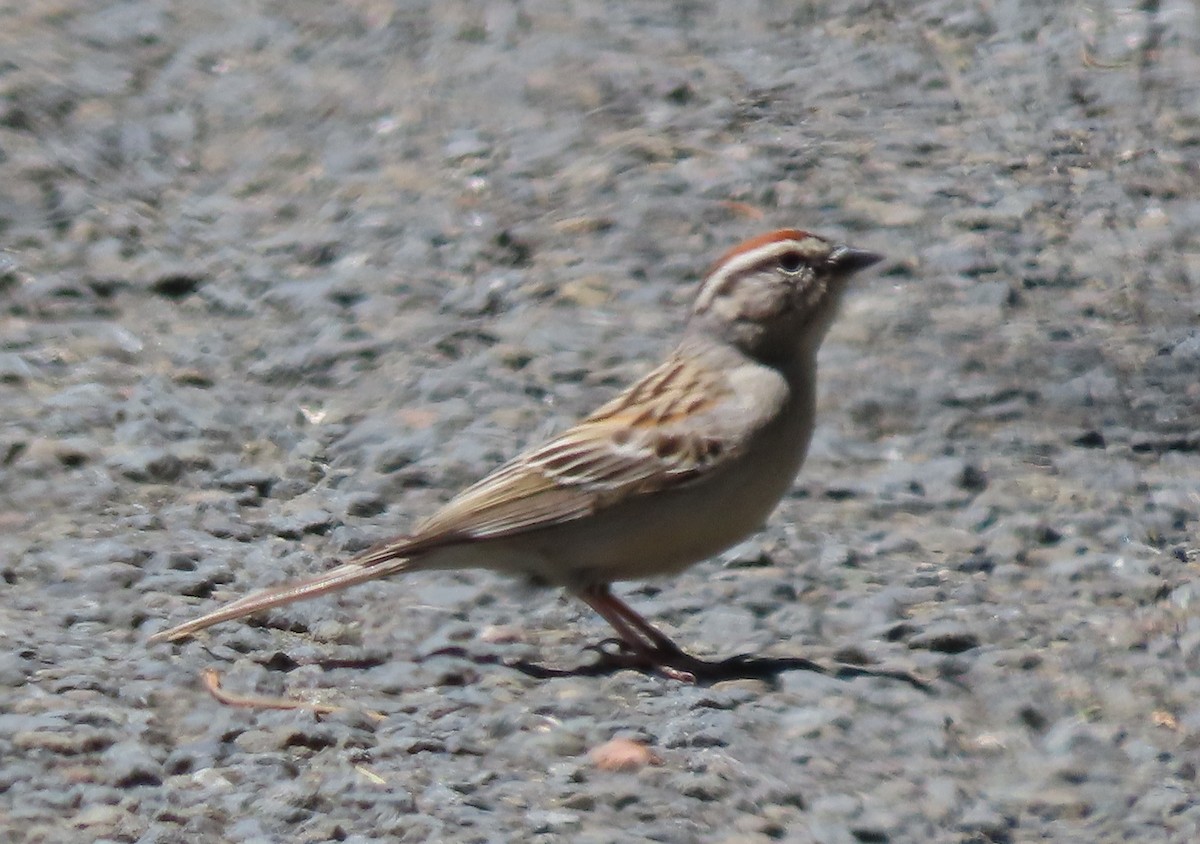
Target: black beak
{"type": "Point", "coordinates": [847, 259]}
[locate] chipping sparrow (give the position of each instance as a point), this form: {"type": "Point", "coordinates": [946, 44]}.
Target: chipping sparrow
{"type": "Point", "coordinates": [685, 463]}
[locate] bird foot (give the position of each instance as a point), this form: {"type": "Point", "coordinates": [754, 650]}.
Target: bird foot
{"type": "Point", "coordinates": [616, 654]}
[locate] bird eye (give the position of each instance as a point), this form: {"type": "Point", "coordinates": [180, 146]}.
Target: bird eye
{"type": "Point", "coordinates": [791, 262]}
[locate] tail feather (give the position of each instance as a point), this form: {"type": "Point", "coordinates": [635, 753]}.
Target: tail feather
{"type": "Point", "coordinates": [370, 566]}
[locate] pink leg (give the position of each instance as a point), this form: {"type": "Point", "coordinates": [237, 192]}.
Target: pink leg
{"type": "Point", "coordinates": [646, 641]}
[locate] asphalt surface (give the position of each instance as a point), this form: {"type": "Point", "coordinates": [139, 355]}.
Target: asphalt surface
{"type": "Point", "coordinates": [277, 279]}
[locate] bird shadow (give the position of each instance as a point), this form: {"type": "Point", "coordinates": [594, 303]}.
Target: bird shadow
{"type": "Point", "coordinates": [682, 666]}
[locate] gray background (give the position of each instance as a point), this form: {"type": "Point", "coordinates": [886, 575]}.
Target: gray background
{"type": "Point", "coordinates": [278, 278]}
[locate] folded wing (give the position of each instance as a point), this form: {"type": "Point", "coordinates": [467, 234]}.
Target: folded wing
{"type": "Point", "coordinates": [646, 439]}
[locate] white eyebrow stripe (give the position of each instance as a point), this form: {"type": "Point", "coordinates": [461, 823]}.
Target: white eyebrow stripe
{"type": "Point", "coordinates": [740, 262]}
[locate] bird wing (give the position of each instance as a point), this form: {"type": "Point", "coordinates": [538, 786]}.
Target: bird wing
{"type": "Point", "coordinates": [664, 431]}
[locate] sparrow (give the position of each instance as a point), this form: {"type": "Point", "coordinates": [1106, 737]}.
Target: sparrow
{"type": "Point", "coordinates": [683, 464]}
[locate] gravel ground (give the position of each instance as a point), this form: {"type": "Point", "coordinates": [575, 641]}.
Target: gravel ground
{"type": "Point", "coordinates": [280, 277]}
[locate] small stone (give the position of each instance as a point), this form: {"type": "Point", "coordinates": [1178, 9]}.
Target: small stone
{"type": "Point", "coordinates": [552, 822]}
{"type": "Point", "coordinates": [982, 818]}
{"type": "Point", "coordinates": [296, 525]}
{"type": "Point", "coordinates": [365, 504]}
{"type": "Point", "coordinates": [707, 787]}
{"type": "Point", "coordinates": [465, 143]}
{"type": "Point", "coordinates": [64, 742]}
{"type": "Point", "coordinates": [147, 465]}
{"type": "Point", "coordinates": [623, 755]}
{"type": "Point", "coordinates": [947, 638]}
{"type": "Point", "coordinates": [589, 292]}
{"type": "Point", "coordinates": [130, 763]}
{"type": "Point", "coordinates": [248, 477]}
{"type": "Point", "coordinates": [14, 369]}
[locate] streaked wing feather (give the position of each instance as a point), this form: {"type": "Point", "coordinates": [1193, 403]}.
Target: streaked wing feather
{"type": "Point", "coordinates": [639, 442]}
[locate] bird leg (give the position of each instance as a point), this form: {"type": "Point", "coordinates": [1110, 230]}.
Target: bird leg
{"type": "Point", "coordinates": [647, 643]}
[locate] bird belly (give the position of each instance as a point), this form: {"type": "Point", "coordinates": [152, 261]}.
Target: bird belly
{"type": "Point", "coordinates": [689, 524]}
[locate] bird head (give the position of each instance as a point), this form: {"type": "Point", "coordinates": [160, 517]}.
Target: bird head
{"type": "Point", "coordinates": [775, 296]}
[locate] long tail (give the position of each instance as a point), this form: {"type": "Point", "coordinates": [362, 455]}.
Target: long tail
{"type": "Point", "coordinates": [378, 562]}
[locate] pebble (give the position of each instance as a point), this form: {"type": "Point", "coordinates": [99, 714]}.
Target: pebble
{"type": "Point", "coordinates": [130, 764]}
{"type": "Point", "coordinates": [146, 465]}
